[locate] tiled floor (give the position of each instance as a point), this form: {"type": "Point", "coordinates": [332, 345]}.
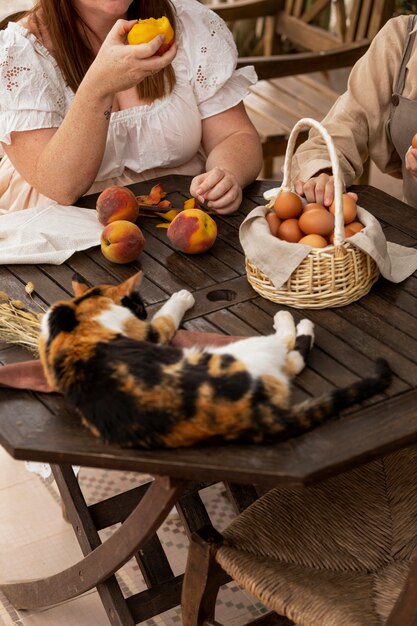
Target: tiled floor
{"type": "Point", "coordinates": [36, 541]}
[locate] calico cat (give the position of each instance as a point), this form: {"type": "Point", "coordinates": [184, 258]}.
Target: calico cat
{"type": "Point", "coordinates": [132, 388]}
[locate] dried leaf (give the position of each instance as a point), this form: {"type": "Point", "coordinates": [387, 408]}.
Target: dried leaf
{"type": "Point", "coordinates": [165, 225]}
{"type": "Point", "coordinates": [156, 194]}
{"type": "Point", "coordinates": [169, 215]}
{"type": "Point", "coordinates": [165, 204]}
{"type": "Point", "coordinates": [191, 203]}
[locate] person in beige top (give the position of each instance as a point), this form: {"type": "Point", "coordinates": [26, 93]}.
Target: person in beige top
{"type": "Point", "coordinates": [376, 117]}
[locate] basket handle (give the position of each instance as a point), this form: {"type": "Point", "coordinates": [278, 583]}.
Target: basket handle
{"type": "Point", "coordinates": [339, 231]}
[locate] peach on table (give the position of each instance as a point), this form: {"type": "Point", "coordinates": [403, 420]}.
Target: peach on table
{"type": "Point", "coordinates": [192, 231]}
{"type": "Point", "coordinates": [122, 241]}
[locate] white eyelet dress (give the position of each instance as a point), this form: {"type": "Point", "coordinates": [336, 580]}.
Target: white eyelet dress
{"type": "Point", "coordinates": [143, 142]}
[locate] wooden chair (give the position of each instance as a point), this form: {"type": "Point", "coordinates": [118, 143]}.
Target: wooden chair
{"type": "Point", "coordinates": [288, 89]}
{"type": "Point", "coordinates": [342, 552]}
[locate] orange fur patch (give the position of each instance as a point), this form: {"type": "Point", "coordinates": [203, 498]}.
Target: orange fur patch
{"type": "Point", "coordinates": [135, 328]}
{"type": "Point", "coordinates": [165, 328]}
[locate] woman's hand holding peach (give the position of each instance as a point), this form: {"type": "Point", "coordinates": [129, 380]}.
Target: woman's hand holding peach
{"type": "Point", "coordinates": [119, 66]}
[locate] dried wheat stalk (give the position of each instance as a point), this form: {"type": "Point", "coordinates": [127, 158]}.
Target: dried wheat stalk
{"type": "Point", "coordinates": [18, 325]}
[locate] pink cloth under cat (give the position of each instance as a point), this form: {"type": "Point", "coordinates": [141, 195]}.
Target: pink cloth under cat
{"type": "Point", "coordinates": [29, 374]}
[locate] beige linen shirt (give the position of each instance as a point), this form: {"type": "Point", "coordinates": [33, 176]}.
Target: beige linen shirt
{"type": "Point", "coordinates": [358, 121]}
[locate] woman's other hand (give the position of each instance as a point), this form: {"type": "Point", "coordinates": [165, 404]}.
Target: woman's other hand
{"type": "Point", "coordinates": [320, 189]}
{"type": "Point", "coordinates": [411, 161]}
{"type": "Point", "coordinates": [119, 66]}
{"type": "Point", "coordinates": [218, 189]}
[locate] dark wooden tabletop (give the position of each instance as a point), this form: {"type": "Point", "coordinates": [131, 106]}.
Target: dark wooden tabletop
{"type": "Point", "coordinates": [348, 340]}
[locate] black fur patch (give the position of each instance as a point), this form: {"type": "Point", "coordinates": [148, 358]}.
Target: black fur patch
{"type": "Point", "coordinates": [303, 345]}
{"type": "Point", "coordinates": [134, 303]}
{"type": "Point", "coordinates": [115, 413]}
{"type": "Point", "coordinates": [61, 319]}
{"type": "Point", "coordinates": [232, 387]}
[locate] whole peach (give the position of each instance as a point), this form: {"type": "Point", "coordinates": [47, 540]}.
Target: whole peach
{"type": "Point", "coordinates": [192, 231]}
{"type": "Point", "coordinates": [122, 241]}
{"type": "Point", "coordinates": [117, 203]}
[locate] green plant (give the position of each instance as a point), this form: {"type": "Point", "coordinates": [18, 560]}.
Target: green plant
{"type": "Point", "coordinates": [405, 6]}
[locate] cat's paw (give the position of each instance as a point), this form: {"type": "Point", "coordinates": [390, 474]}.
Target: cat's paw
{"type": "Point", "coordinates": [306, 327]}
{"type": "Point", "coordinates": [183, 297]}
{"type": "Point", "coordinates": [285, 328]}
{"type": "Point", "coordinates": [283, 320]}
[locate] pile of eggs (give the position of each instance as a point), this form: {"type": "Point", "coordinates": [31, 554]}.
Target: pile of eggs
{"type": "Point", "coordinates": [311, 224]}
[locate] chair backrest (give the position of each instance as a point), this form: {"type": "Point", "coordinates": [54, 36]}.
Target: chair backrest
{"type": "Point", "coordinates": [311, 25]}
{"type": "Point", "coordinates": [325, 24]}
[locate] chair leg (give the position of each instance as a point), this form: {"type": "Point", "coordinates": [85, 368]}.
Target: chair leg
{"type": "Point", "coordinates": [268, 167]}
{"type": "Point", "coordinates": [202, 580]}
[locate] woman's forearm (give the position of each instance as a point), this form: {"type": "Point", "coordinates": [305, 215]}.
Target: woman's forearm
{"type": "Point", "coordinates": [239, 153]}
{"type": "Point", "coordinates": [68, 164]}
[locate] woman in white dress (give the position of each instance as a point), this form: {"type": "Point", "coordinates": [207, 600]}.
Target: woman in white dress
{"type": "Point", "coordinates": [80, 110]}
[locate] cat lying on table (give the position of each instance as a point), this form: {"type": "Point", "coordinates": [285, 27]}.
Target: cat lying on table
{"type": "Point", "coordinates": [134, 389]}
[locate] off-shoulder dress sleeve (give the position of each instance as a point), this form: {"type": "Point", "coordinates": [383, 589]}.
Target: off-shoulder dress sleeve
{"type": "Point", "coordinates": [32, 90]}
{"type": "Point", "coordinates": [209, 51]}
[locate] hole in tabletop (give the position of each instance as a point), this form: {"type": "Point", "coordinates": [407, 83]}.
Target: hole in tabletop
{"type": "Point", "coordinates": [221, 294]}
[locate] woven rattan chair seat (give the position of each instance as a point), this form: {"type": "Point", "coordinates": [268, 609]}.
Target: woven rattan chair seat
{"type": "Point", "coordinates": [333, 554]}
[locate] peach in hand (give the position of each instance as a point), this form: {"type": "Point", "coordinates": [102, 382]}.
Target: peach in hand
{"type": "Point", "coordinates": [122, 241]}
{"type": "Point", "coordinates": [117, 203]}
{"type": "Point", "coordinates": [192, 231]}
{"type": "Point", "coordinates": [146, 30]}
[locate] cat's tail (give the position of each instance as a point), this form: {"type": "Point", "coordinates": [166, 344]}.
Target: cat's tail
{"type": "Point", "coordinates": [315, 411]}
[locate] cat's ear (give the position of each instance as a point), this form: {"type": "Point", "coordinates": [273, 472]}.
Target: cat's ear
{"type": "Point", "coordinates": [129, 285]}
{"type": "Point", "coordinates": [79, 285]}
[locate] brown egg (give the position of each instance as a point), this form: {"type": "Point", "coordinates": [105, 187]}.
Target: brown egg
{"type": "Point", "coordinates": [316, 222]}
{"type": "Point", "coordinates": [288, 204]}
{"type": "Point", "coordinates": [290, 231]}
{"type": "Point", "coordinates": [274, 222]}
{"type": "Point", "coordinates": [356, 226]}
{"type": "Point", "coordinates": [313, 205]}
{"type": "Point", "coordinates": [348, 232]}
{"type": "Point", "coordinates": [316, 241]}
{"type": "Point", "coordinates": [349, 208]}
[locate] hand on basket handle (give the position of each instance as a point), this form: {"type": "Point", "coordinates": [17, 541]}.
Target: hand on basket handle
{"type": "Point", "coordinates": [319, 188]}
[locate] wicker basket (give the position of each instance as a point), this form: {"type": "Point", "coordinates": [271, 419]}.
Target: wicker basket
{"type": "Point", "coordinates": [327, 277]}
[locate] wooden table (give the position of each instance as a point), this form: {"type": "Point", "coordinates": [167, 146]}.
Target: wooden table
{"type": "Point", "coordinates": [41, 427]}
